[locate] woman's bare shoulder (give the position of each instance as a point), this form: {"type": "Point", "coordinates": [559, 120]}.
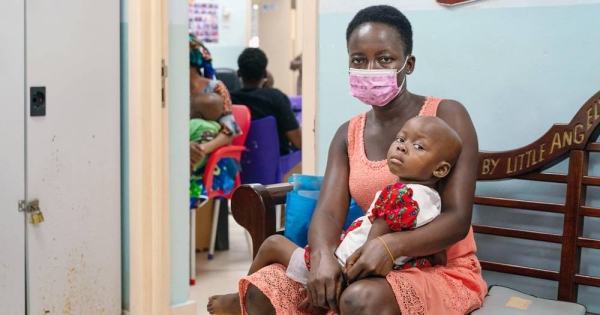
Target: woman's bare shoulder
{"type": "Point", "coordinates": [341, 136]}
{"type": "Point", "coordinates": [452, 112]}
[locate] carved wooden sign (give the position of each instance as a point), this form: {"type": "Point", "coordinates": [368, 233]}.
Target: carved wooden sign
{"type": "Point", "coordinates": [554, 143]}
{"type": "Point", "coordinates": [453, 2]}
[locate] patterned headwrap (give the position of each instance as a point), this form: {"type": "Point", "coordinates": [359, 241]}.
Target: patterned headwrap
{"type": "Point", "coordinates": [201, 59]}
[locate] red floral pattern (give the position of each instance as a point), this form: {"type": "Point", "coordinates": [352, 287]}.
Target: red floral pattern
{"type": "Point", "coordinates": [397, 207]}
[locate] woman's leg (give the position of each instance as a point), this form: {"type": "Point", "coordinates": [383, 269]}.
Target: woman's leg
{"type": "Point", "coordinates": [369, 296]}
{"type": "Point", "coordinates": [276, 249]}
{"type": "Point", "coordinates": [257, 303]}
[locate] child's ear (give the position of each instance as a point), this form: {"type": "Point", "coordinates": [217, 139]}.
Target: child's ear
{"type": "Point", "coordinates": [442, 170]}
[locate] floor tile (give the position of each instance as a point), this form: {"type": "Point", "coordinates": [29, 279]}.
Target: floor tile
{"type": "Point", "coordinates": [221, 275]}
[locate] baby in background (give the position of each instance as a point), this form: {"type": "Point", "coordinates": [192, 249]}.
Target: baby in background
{"type": "Point", "coordinates": [205, 111]}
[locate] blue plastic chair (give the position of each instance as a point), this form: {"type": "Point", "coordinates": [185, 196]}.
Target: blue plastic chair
{"type": "Point", "coordinates": [261, 162]}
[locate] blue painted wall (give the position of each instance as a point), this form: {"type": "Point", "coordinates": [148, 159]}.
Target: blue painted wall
{"type": "Point", "coordinates": [518, 67]}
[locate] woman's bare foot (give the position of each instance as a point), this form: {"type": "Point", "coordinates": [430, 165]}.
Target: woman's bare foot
{"type": "Point", "coordinates": [227, 304]}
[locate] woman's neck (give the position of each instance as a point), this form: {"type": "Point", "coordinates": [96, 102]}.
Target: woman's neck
{"type": "Point", "coordinates": [402, 108]}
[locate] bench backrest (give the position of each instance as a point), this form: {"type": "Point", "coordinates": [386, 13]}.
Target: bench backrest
{"type": "Point", "coordinates": [571, 143]}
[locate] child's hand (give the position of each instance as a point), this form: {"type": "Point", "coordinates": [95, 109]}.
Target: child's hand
{"type": "Point", "coordinates": [196, 154]}
{"type": "Point", "coordinates": [352, 259]}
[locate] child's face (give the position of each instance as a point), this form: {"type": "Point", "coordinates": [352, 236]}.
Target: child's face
{"type": "Point", "coordinates": [415, 154]}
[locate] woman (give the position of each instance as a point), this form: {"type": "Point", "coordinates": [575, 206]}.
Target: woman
{"type": "Point", "coordinates": [226, 168]}
{"type": "Point", "coordinates": [379, 41]}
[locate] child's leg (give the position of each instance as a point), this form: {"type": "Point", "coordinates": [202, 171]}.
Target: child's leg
{"type": "Point", "coordinates": [276, 249]}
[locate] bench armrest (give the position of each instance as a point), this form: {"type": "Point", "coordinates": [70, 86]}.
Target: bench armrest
{"type": "Point", "coordinates": [253, 207]}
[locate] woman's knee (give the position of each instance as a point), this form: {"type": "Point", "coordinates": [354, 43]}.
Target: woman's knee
{"type": "Point", "coordinates": [257, 302]}
{"type": "Point", "coordinates": [368, 296]}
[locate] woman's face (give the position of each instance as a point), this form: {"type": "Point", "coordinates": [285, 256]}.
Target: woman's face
{"type": "Point", "coordinates": [377, 46]}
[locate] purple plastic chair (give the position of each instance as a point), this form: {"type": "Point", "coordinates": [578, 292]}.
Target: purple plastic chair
{"type": "Point", "coordinates": [261, 162]}
{"type": "Point", "coordinates": [296, 101]}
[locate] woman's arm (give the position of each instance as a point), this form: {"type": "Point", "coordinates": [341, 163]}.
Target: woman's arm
{"type": "Point", "coordinates": [334, 199]}
{"type": "Point", "coordinates": [326, 225]}
{"type": "Point", "coordinates": [222, 90]}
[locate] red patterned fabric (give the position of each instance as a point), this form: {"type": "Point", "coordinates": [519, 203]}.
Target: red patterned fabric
{"type": "Point", "coordinates": [397, 207]}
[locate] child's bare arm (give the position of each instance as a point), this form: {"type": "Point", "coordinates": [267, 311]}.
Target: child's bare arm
{"type": "Point", "coordinates": [380, 227]}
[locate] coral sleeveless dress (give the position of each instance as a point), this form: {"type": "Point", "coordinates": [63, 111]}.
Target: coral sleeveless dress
{"type": "Point", "coordinates": [456, 288]}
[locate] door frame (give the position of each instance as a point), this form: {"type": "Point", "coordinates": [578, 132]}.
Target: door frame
{"type": "Point", "coordinates": [148, 145]}
{"type": "Point", "coordinates": [148, 158]}
{"type": "Point", "coordinates": [310, 85]}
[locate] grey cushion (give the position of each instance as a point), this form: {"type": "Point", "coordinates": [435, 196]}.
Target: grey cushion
{"type": "Point", "coordinates": [506, 301]}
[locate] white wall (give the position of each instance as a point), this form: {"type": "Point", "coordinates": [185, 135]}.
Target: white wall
{"type": "Point", "coordinates": [275, 18]}
{"type": "Point", "coordinates": [232, 37]}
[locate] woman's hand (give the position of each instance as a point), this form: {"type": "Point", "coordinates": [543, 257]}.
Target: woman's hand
{"type": "Point", "coordinates": [196, 154]}
{"type": "Point", "coordinates": [372, 259]}
{"type": "Point", "coordinates": [306, 307]}
{"type": "Point", "coordinates": [324, 283]}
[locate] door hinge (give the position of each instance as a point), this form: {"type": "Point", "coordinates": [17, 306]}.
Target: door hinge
{"type": "Point", "coordinates": [164, 73]}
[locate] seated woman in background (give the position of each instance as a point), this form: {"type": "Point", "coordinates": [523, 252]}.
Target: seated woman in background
{"type": "Point", "coordinates": [227, 168]}
{"type": "Point", "coordinates": [205, 111]}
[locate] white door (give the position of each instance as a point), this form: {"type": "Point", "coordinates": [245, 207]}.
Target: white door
{"type": "Point", "coordinates": [275, 20]}
{"type": "Point", "coordinates": [73, 157]}
{"type": "Point", "coordinates": [12, 150]}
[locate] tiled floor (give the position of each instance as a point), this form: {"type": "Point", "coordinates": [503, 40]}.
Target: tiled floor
{"type": "Point", "coordinates": [221, 275]}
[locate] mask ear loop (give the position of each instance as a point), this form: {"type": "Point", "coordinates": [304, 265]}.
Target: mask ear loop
{"type": "Point", "coordinates": [403, 66]}
{"type": "Point", "coordinates": [403, 80]}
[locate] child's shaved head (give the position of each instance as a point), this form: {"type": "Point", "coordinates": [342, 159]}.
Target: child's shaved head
{"type": "Point", "coordinates": [208, 106]}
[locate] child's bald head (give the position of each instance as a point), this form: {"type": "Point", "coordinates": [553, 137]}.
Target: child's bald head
{"type": "Point", "coordinates": [208, 106]}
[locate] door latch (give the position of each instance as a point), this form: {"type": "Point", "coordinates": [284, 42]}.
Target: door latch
{"type": "Point", "coordinates": [32, 207]}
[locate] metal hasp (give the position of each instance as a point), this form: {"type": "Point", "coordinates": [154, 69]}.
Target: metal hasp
{"type": "Point", "coordinates": [32, 207]}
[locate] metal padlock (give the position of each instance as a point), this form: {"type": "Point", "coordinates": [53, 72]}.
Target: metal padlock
{"type": "Point", "coordinates": [36, 214]}
{"type": "Point", "coordinates": [37, 217]}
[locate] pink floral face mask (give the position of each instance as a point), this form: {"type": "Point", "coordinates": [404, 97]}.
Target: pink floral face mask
{"type": "Point", "coordinates": [375, 87]}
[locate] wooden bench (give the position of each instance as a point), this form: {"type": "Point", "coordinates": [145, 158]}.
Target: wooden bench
{"type": "Point", "coordinates": [253, 205]}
